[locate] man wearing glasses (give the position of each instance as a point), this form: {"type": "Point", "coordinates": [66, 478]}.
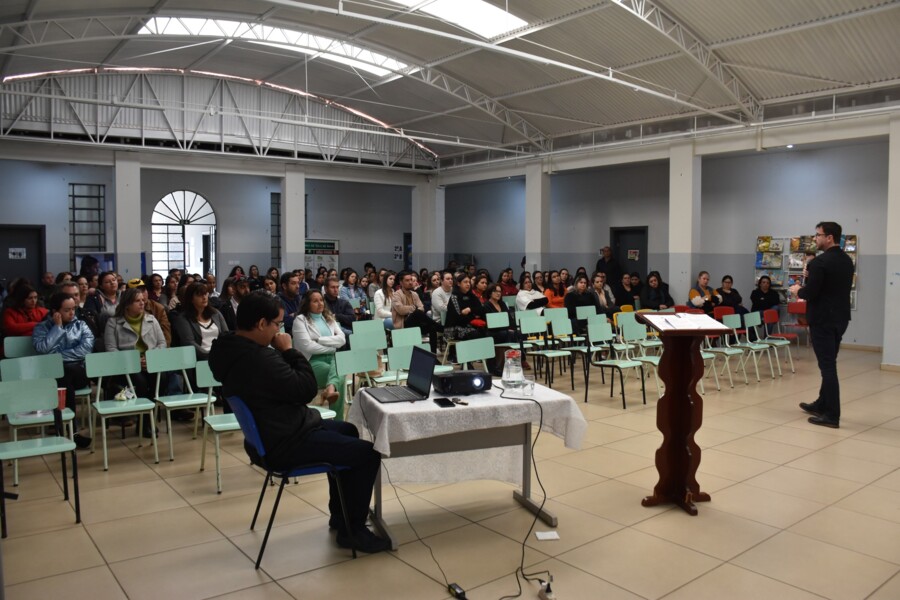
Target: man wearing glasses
{"type": "Point", "coordinates": [827, 292]}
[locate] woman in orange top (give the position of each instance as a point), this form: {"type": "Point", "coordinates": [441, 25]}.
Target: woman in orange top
{"type": "Point", "coordinates": [23, 313]}
{"type": "Point", "coordinates": [555, 291]}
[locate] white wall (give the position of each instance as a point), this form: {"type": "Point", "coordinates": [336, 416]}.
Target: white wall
{"type": "Point", "coordinates": [36, 193]}
{"type": "Point", "coordinates": [784, 193]}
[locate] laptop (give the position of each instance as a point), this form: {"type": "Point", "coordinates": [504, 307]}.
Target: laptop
{"type": "Point", "coordinates": [418, 382]}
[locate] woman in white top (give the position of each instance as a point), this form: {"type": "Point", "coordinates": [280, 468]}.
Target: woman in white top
{"type": "Point", "coordinates": [529, 298]}
{"type": "Point", "coordinates": [383, 300]}
{"type": "Point", "coordinates": [317, 335]}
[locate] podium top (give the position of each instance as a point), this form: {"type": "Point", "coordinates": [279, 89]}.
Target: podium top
{"type": "Point", "coordinates": [683, 323]}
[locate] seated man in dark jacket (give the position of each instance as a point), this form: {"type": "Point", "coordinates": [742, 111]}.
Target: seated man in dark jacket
{"type": "Point", "coordinates": [276, 383]}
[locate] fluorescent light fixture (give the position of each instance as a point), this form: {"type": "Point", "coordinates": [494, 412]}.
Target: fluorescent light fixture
{"type": "Point", "coordinates": [309, 44]}
{"type": "Point", "coordinates": [789, 146]}
{"type": "Point", "coordinates": [477, 16]}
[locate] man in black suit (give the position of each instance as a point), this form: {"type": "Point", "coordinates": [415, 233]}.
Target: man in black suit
{"type": "Point", "coordinates": [827, 292]}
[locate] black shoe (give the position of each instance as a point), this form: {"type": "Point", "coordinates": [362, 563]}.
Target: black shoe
{"type": "Point", "coordinates": [365, 541]}
{"type": "Point", "coordinates": [810, 407]}
{"type": "Point", "coordinates": [824, 421]}
{"type": "Point", "coordinates": [81, 441]}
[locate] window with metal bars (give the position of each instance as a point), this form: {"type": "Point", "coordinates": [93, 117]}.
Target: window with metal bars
{"type": "Point", "coordinates": [275, 202]}
{"type": "Point", "coordinates": [87, 220]}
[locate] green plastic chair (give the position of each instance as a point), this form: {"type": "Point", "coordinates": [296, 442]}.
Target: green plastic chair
{"type": "Point", "coordinates": [620, 364]}
{"type": "Point", "coordinates": [748, 348]}
{"type": "Point", "coordinates": [169, 360]}
{"type": "Point", "coordinates": [583, 313]}
{"type": "Point", "coordinates": [562, 329]}
{"type": "Point", "coordinates": [42, 366]}
{"type": "Point", "coordinates": [468, 351]}
{"type": "Point", "coordinates": [25, 396]}
{"type": "Point", "coordinates": [510, 301]}
{"type": "Point", "coordinates": [113, 364]}
{"type": "Point", "coordinates": [408, 336]}
{"type": "Point", "coordinates": [599, 336]}
{"type": "Point", "coordinates": [501, 321]}
{"type": "Point", "coordinates": [17, 346]}
{"type": "Point", "coordinates": [355, 362]}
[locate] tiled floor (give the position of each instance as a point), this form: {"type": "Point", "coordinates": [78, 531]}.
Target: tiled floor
{"type": "Point", "coordinates": [797, 511]}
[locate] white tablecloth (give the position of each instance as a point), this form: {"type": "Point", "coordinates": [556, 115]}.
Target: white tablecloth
{"type": "Point", "coordinates": [385, 424]}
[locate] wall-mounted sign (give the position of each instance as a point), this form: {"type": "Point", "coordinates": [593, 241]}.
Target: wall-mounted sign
{"type": "Point", "coordinates": [634, 255]}
{"type": "Point", "coordinates": [17, 254]}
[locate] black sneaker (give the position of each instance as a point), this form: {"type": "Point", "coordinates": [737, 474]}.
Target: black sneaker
{"type": "Point", "coordinates": [81, 441]}
{"type": "Point", "coordinates": [365, 541]}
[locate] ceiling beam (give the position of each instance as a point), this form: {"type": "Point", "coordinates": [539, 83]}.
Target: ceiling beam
{"type": "Point", "coordinates": [694, 47]}
{"type": "Point", "coordinates": [115, 51]}
{"type": "Point", "coordinates": [26, 16]}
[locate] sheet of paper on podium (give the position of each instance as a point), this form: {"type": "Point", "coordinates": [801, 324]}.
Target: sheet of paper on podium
{"type": "Point", "coordinates": [684, 322]}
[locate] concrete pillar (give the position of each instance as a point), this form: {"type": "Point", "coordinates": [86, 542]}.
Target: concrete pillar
{"type": "Point", "coordinates": [890, 358]}
{"type": "Point", "coordinates": [127, 236]}
{"type": "Point", "coordinates": [293, 218]}
{"type": "Point", "coordinates": [428, 226]}
{"type": "Point", "coordinates": [684, 219]}
{"type": "Point", "coordinates": [537, 217]}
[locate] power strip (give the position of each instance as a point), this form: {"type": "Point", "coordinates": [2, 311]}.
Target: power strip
{"type": "Point", "coordinates": [546, 593]}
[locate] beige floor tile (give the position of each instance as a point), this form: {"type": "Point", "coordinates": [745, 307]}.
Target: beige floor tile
{"type": "Point", "coordinates": [707, 437]}
{"type": "Point", "coordinates": [815, 566]}
{"type": "Point", "coordinates": [893, 424]}
{"type": "Point", "coordinates": [735, 424]}
{"type": "Point", "coordinates": [215, 568]}
{"type": "Point", "coordinates": [36, 480]}
{"type": "Point", "coordinates": [731, 466]}
{"type": "Point", "coordinates": [622, 558]}
{"type": "Point", "coordinates": [560, 479]}
{"type": "Point", "coordinates": [376, 576]}
{"type": "Point", "coordinates": [293, 548]}
{"type": "Point", "coordinates": [97, 583]}
{"type": "Point", "coordinates": [766, 415]}
{"type": "Point", "coordinates": [845, 467]}
{"type": "Point", "coordinates": [649, 477]}
{"type": "Point", "coordinates": [39, 516]}
{"type": "Point", "coordinates": [764, 506]}
{"type": "Point", "coordinates": [644, 445]}
{"type": "Point", "coordinates": [856, 448]}
{"type": "Point", "coordinates": [471, 556]}
{"type": "Point", "coordinates": [601, 433]}
{"type": "Point", "coordinates": [639, 421]}
{"type": "Point", "coordinates": [568, 582]}
{"type": "Point", "coordinates": [879, 435]}
{"type": "Point", "coordinates": [266, 591]}
{"type": "Point", "coordinates": [875, 501]}
{"type": "Point", "coordinates": [889, 591]}
{"type": "Point", "coordinates": [60, 552]}
{"type": "Point", "coordinates": [847, 429]}
{"type": "Point", "coordinates": [804, 438]}
{"type": "Point", "coordinates": [613, 500]}
{"type": "Point", "coordinates": [712, 532]}
{"type": "Point", "coordinates": [474, 500]}
{"type": "Point", "coordinates": [769, 451]}
{"type": "Point", "coordinates": [232, 516]}
{"type": "Point", "coordinates": [131, 537]}
{"type": "Point", "coordinates": [420, 517]}
{"type": "Point", "coordinates": [128, 500]}
{"type": "Point", "coordinates": [740, 584]}
{"type": "Point", "coordinates": [890, 481]}
{"type": "Point", "coordinates": [591, 409]}
{"type": "Point", "coordinates": [576, 527]}
{"type": "Point", "coordinates": [606, 462]}
{"type": "Point", "coordinates": [201, 487]}
{"type": "Point", "coordinates": [859, 414]}
{"type": "Point", "coordinates": [854, 531]}
{"type": "Point", "coordinates": [805, 484]}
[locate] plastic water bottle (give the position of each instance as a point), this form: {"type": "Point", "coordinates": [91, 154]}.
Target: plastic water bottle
{"type": "Point", "coordinates": [513, 376]}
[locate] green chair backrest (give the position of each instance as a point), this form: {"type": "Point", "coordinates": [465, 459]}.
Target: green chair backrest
{"type": "Point", "coordinates": [562, 326]}
{"type": "Point", "coordinates": [473, 350]}
{"type": "Point", "coordinates": [520, 314]}
{"type": "Point", "coordinates": [732, 321]}
{"type": "Point", "coordinates": [532, 325]}
{"type": "Point", "coordinates": [107, 364]}
{"type": "Point", "coordinates": [355, 302]}
{"type": "Point", "coordinates": [585, 312]}
{"type": "Point", "coordinates": [41, 366]}
{"type": "Point", "coordinates": [510, 301]}
{"type": "Point", "coordinates": [399, 356]}
{"type": "Point", "coordinates": [667, 310]}
{"type": "Point", "coordinates": [556, 314]}
{"type": "Point", "coordinates": [599, 332]}
{"type": "Point", "coordinates": [16, 346]}
{"type": "Point", "coordinates": [171, 359]}
{"type": "Point", "coordinates": [27, 394]}
{"type": "Point", "coordinates": [356, 360]}
{"type": "Point", "coordinates": [370, 325]}
{"type": "Point", "coordinates": [408, 336]}
{"type": "Point", "coordinates": [598, 318]}
{"type": "Point", "coordinates": [369, 340]}
{"type": "Point", "coordinates": [624, 318]}
{"type": "Point", "coordinates": [205, 377]}
{"type": "Point", "coordinates": [499, 320]}
{"type": "Point", "coordinates": [633, 331]}
{"type": "Point", "coordinates": [752, 319]}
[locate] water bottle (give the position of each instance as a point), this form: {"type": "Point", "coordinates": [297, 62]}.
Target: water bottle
{"type": "Point", "coordinates": [513, 376]}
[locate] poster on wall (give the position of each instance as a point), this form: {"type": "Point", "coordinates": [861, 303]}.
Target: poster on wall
{"type": "Point", "coordinates": [322, 253]}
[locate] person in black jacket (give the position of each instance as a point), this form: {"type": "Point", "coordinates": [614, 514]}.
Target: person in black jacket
{"type": "Point", "coordinates": [276, 383]}
{"type": "Point", "coordinates": [827, 291]}
{"type": "Point", "coordinates": [655, 294]}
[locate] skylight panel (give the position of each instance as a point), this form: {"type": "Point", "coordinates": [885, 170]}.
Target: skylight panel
{"type": "Point", "coordinates": [285, 39]}
{"type": "Point", "coordinates": [477, 16]}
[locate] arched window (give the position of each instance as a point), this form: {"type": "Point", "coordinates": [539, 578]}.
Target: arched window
{"type": "Point", "coordinates": [184, 234]}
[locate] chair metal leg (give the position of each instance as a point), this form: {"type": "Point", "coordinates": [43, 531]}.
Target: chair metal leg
{"type": "Point", "coordinates": [643, 385]}
{"type": "Point", "coordinates": [203, 447]}
{"type": "Point", "coordinates": [75, 487]}
{"type": "Point", "coordinates": [169, 430]}
{"type": "Point", "coordinates": [265, 541]}
{"type": "Point", "coordinates": [153, 436]}
{"type": "Point", "coordinates": [3, 503]}
{"type": "Point", "coordinates": [15, 462]}
{"type": "Point", "coordinates": [790, 358]}
{"type": "Point", "coordinates": [259, 503]}
{"type": "Point", "coordinates": [622, 385]}
{"type": "Point", "coordinates": [218, 467]}
{"type": "Point", "coordinates": [103, 433]}
{"type": "Point", "coordinates": [65, 475]}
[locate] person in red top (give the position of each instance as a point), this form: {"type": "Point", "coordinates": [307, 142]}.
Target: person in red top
{"type": "Point", "coordinates": [479, 287]}
{"type": "Point", "coordinates": [507, 283]}
{"type": "Point", "coordinates": [23, 313]}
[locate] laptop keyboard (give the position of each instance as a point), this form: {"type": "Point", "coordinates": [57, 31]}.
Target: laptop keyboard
{"type": "Point", "coordinates": [404, 393]}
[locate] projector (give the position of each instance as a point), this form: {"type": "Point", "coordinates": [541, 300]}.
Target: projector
{"type": "Point", "coordinates": [462, 383]}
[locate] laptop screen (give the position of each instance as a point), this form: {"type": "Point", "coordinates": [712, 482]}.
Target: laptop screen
{"type": "Point", "coordinates": [421, 369]}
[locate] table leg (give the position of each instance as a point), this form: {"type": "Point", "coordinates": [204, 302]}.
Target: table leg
{"type": "Point", "coordinates": [376, 516]}
{"type": "Point", "coordinates": [524, 497]}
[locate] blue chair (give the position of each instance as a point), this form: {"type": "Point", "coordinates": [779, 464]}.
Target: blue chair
{"type": "Point", "coordinates": [35, 395]}
{"type": "Point", "coordinates": [251, 436]}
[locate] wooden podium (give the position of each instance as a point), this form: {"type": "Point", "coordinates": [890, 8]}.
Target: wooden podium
{"type": "Point", "coordinates": [679, 412]}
